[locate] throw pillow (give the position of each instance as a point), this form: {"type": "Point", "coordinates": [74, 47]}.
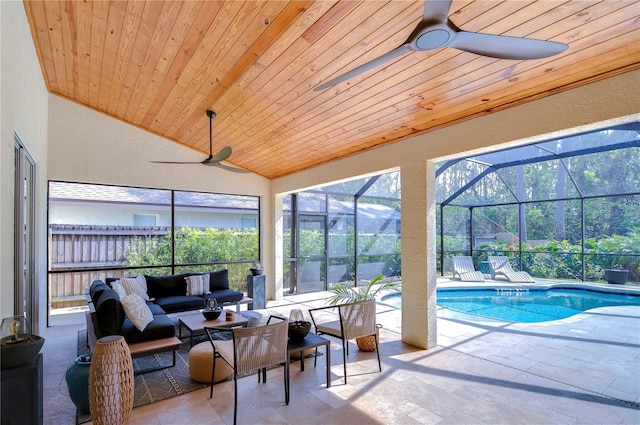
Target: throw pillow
{"type": "Point", "coordinates": [135, 285]}
{"type": "Point", "coordinates": [137, 311]}
{"type": "Point", "coordinates": [117, 286]}
{"type": "Point", "coordinates": [197, 284]}
{"type": "Point", "coordinates": [219, 280]}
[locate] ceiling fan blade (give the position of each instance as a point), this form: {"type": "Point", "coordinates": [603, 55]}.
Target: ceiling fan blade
{"type": "Point", "coordinates": [436, 11]}
{"type": "Point", "coordinates": [219, 157]}
{"type": "Point", "coordinates": [397, 52]}
{"type": "Point", "coordinates": [505, 47]}
{"type": "Point", "coordinates": [228, 167]}
{"type": "Point", "coordinates": [176, 162]}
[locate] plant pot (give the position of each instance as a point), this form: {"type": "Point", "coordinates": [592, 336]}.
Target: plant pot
{"type": "Point", "coordinates": [368, 343]}
{"type": "Point", "coordinates": [256, 271]}
{"type": "Point", "coordinates": [618, 276]}
{"type": "Point", "coordinates": [77, 378]}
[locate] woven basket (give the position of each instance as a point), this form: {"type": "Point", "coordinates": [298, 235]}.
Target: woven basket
{"type": "Point", "coordinates": [368, 343]}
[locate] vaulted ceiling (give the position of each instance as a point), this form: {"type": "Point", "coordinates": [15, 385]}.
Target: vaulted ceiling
{"type": "Point", "coordinates": [159, 65]}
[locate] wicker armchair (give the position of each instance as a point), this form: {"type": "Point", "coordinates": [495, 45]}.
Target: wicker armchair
{"type": "Point", "coordinates": [251, 349]}
{"type": "Point", "coordinates": [355, 320]}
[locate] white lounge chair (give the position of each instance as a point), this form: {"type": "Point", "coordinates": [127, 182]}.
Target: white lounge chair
{"type": "Point", "coordinates": [501, 266]}
{"type": "Point", "coordinates": [463, 268]}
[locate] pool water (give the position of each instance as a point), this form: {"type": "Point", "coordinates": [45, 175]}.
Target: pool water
{"type": "Point", "coordinates": [524, 305]}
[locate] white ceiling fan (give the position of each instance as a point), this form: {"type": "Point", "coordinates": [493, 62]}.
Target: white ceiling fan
{"type": "Point", "coordinates": [211, 160]}
{"type": "Point", "coordinates": [436, 31]}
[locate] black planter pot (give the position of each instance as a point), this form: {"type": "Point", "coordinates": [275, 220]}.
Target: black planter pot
{"type": "Point", "coordinates": [256, 271]}
{"type": "Point", "coordinates": [617, 276]}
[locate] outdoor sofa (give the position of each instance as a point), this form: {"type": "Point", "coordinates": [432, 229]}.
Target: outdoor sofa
{"type": "Point", "coordinates": [166, 294]}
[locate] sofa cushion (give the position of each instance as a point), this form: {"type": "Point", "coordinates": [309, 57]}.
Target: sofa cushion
{"type": "Point", "coordinates": [96, 289]}
{"type": "Point", "coordinates": [225, 296]}
{"type": "Point", "coordinates": [155, 308]}
{"type": "Point", "coordinates": [167, 286]}
{"type": "Point", "coordinates": [160, 327]}
{"type": "Point", "coordinates": [180, 303]}
{"type": "Point", "coordinates": [219, 280]}
{"type": "Point", "coordinates": [109, 313]}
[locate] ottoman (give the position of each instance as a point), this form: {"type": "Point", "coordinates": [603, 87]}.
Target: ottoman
{"type": "Point", "coordinates": [201, 362]}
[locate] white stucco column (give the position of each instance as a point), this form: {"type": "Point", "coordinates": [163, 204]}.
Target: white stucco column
{"type": "Point", "coordinates": [275, 292]}
{"type": "Point", "coordinates": [419, 254]}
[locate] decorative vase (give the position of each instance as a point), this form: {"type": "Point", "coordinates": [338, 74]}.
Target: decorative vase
{"type": "Point", "coordinates": [77, 378]}
{"type": "Point", "coordinates": [111, 382]}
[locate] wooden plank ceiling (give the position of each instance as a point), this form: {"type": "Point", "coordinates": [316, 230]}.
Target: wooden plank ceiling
{"type": "Point", "coordinates": [159, 65]}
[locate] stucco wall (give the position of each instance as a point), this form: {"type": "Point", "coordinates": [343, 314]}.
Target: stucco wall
{"type": "Point", "coordinates": [23, 111]}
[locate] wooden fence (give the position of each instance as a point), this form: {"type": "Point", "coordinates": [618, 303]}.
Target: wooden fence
{"type": "Point", "coordinates": [74, 247]}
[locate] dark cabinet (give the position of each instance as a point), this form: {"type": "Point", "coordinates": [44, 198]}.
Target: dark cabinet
{"type": "Point", "coordinates": [22, 394]}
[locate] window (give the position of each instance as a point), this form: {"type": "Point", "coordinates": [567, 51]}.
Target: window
{"type": "Point", "coordinates": [142, 220]}
{"type": "Point", "coordinates": [91, 235]}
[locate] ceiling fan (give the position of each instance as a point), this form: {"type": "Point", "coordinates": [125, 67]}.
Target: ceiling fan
{"type": "Point", "coordinates": [436, 30]}
{"type": "Point", "coordinates": [211, 160]}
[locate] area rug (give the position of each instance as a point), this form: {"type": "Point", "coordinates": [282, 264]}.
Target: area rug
{"type": "Point", "coordinates": [158, 385]}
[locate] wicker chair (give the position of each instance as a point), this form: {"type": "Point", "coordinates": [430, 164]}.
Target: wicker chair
{"type": "Point", "coordinates": [252, 349]}
{"type": "Point", "coordinates": [356, 320]}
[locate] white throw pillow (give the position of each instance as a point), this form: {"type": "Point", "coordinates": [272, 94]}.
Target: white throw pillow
{"type": "Point", "coordinates": [117, 286]}
{"type": "Point", "coordinates": [197, 284]}
{"type": "Point", "coordinates": [135, 285]}
{"type": "Point", "coordinates": [137, 311]}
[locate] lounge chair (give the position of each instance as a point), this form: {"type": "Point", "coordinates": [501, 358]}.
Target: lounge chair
{"type": "Point", "coordinates": [501, 266]}
{"type": "Point", "coordinates": [463, 268]}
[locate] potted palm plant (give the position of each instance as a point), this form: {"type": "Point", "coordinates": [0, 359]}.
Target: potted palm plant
{"type": "Point", "coordinates": [345, 293]}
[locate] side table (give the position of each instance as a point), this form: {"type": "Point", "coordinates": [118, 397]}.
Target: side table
{"type": "Point", "coordinates": [311, 341]}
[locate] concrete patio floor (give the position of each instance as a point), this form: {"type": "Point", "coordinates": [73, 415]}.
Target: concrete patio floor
{"type": "Point", "coordinates": [581, 370]}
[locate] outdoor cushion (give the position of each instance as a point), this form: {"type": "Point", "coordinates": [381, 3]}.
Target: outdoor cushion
{"type": "Point", "coordinates": [109, 313]}
{"type": "Point", "coordinates": [155, 308]}
{"type": "Point", "coordinates": [219, 280]}
{"type": "Point", "coordinates": [96, 288]}
{"type": "Point", "coordinates": [161, 327]}
{"type": "Point", "coordinates": [225, 296]}
{"type": "Point", "coordinates": [176, 304]}
{"type": "Point", "coordinates": [167, 286]}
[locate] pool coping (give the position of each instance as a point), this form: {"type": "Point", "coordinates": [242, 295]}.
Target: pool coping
{"type": "Point", "coordinates": [589, 286]}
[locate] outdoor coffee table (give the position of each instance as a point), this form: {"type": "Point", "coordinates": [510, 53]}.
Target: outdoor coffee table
{"type": "Point", "coordinates": [195, 323]}
{"type": "Point", "coordinates": [311, 341]}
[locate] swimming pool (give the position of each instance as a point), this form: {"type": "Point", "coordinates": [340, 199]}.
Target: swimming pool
{"type": "Point", "coordinates": [525, 305]}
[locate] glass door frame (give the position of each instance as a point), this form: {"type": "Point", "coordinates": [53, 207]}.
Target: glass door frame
{"type": "Point", "coordinates": [24, 296]}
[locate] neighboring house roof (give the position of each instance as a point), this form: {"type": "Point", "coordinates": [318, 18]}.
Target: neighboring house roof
{"type": "Point", "coordinates": [64, 191]}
